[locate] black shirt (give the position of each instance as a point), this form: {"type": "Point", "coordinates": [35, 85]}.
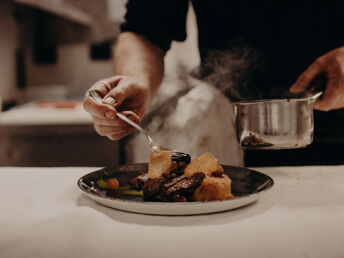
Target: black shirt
{"type": "Point", "coordinates": [262, 44]}
{"type": "Point", "coordinates": [278, 40]}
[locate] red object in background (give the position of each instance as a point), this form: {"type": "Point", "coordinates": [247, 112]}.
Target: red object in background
{"type": "Point", "coordinates": [59, 104]}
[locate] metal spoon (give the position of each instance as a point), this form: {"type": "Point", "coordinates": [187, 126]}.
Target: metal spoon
{"type": "Point", "coordinates": [153, 146]}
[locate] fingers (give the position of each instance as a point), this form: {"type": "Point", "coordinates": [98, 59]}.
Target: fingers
{"type": "Point", "coordinates": [116, 137]}
{"type": "Point", "coordinates": [332, 97]}
{"type": "Point", "coordinates": [105, 85]}
{"type": "Point", "coordinates": [117, 122]}
{"type": "Point", "coordinates": [102, 87]}
{"type": "Point", "coordinates": [124, 90]}
{"type": "Point", "coordinates": [305, 80]}
{"type": "Point", "coordinates": [109, 131]}
{"type": "Point", "coordinates": [115, 129]}
{"type": "Point", "coordinates": [118, 92]}
{"type": "Point", "coordinates": [99, 110]}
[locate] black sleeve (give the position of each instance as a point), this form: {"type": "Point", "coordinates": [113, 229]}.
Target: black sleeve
{"type": "Point", "coordinates": [160, 21]}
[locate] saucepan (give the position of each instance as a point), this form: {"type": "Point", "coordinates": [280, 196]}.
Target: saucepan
{"type": "Point", "coordinates": [285, 123]}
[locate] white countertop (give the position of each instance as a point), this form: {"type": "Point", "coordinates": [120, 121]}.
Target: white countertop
{"type": "Point", "coordinates": [44, 214]}
{"type": "Point", "coordinates": [31, 114]}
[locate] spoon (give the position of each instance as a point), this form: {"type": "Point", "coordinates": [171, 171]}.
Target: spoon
{"type": "Point", "coordinates": [153, 146]}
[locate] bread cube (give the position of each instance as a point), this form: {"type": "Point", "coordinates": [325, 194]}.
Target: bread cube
{"type": "Point", "coordinates": [205, 163]}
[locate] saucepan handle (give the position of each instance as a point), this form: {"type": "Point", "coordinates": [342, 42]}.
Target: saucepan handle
{"type": "Point", "coordinates": [316, 95]}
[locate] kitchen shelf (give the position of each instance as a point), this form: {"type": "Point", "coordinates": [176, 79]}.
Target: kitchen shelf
{"type": "Point", "coordinates": [62, 8]}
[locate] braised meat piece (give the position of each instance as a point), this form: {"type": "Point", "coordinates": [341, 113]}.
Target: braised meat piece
{"type": "Point", "coordinates": [178, 198]}
{"type": "Point", "coordinates": [173, 177]}
{"type": "Point", "coordinates": [152, 187]}
{"type": "Point", "coordinates": [172, 182]}
{"type": "Point", "coordinates": [171, 185]}
{"type": "Point", "coordinates": [184, 187]}
{"type": "Point", "coordinates": [139, 181]}
{"type": "Point", "coordinates": [174, 189]}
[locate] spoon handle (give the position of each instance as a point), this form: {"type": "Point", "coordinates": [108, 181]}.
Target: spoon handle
{"type": "Point", "coordinates": [125, 119]}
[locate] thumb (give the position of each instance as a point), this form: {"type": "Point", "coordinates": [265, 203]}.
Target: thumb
{"type": "Point", "coordinates": [124, 90]}
{"type": "Point", "coordinates": [305, 80]}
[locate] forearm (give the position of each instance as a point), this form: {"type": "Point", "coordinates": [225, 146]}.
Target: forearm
{"type": "Point", "coordinates": [136, 56]}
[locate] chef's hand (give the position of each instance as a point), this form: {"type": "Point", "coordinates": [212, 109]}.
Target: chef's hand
{"type": "Point", "coordinates": [330, 67]}
{"type": "Point", "coordinates": [125, 94]}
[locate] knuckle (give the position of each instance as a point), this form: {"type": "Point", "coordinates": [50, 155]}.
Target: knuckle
{"type": "Point", "coordinates": [105, 83]}
{"type": "Point", "coordinates": [119, 93]}
{"type": "Point", "coordinates": [100, 82]}
{"type": "Point", "coordinates": [131, 84]}
{"type": "Point", "coordinates": [116, 77]}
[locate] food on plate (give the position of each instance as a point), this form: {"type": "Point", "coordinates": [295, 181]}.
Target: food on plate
{"type": "Point", "coordinates": [139, 181]}
{"type": "Point", "coordinates": [206, 164]}
{"type": "Point", "coordinates": [172, 176]}
{"type": "Point", "coordinates": [102, 183]}
{"type": "Point", "coordinates": [214, 188]}
{"type": "Point", "coordinates": [112, 184]}
{"type": "Point", "coordinates": [160, 163]}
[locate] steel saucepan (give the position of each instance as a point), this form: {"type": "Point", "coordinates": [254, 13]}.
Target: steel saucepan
{"type": "Point", "coordinates": [285, 123]}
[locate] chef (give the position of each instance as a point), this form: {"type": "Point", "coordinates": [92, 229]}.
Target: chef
{"type": "Point", "coordinates": [284, 45]}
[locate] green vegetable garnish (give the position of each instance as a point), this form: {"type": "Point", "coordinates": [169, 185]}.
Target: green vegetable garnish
{"type": "Point", "coordinates": [124, 187]}
{"type": "Point", "coordinates": [132, 192]}
{"type": "Point", "coordinates": [102, 183]}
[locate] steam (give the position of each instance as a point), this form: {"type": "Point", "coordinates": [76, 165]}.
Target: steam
{"type": "Point", "coordinates": [233, 71]}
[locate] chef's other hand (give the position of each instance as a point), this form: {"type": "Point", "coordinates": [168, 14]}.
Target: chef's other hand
{"type": "Point", "coordinates": [330, 67]}
{"type": "Point", "coordinates": [125, 94]}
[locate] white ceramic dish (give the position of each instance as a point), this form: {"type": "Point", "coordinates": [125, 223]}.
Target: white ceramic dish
{"type": "Point", "coordinates": [247, 186]}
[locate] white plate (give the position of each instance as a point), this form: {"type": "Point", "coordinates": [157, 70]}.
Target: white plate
{"type": "Point", "coordinates": [247, 187]}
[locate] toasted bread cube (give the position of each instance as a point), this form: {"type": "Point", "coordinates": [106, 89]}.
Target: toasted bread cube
{"type": "Point", "coordinates": [205, 163]}
{"type": "Point", "coordinates": [214, 188]}
{"type": "Point", "coordinates": [160, 163]}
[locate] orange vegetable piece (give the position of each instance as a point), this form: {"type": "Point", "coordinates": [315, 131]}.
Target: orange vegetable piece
{"type": "Point", "coordinates": [112, 184]}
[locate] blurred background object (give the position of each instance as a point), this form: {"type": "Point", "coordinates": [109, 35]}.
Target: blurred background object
{"type": "Point", "coordinates": [52, 52]}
